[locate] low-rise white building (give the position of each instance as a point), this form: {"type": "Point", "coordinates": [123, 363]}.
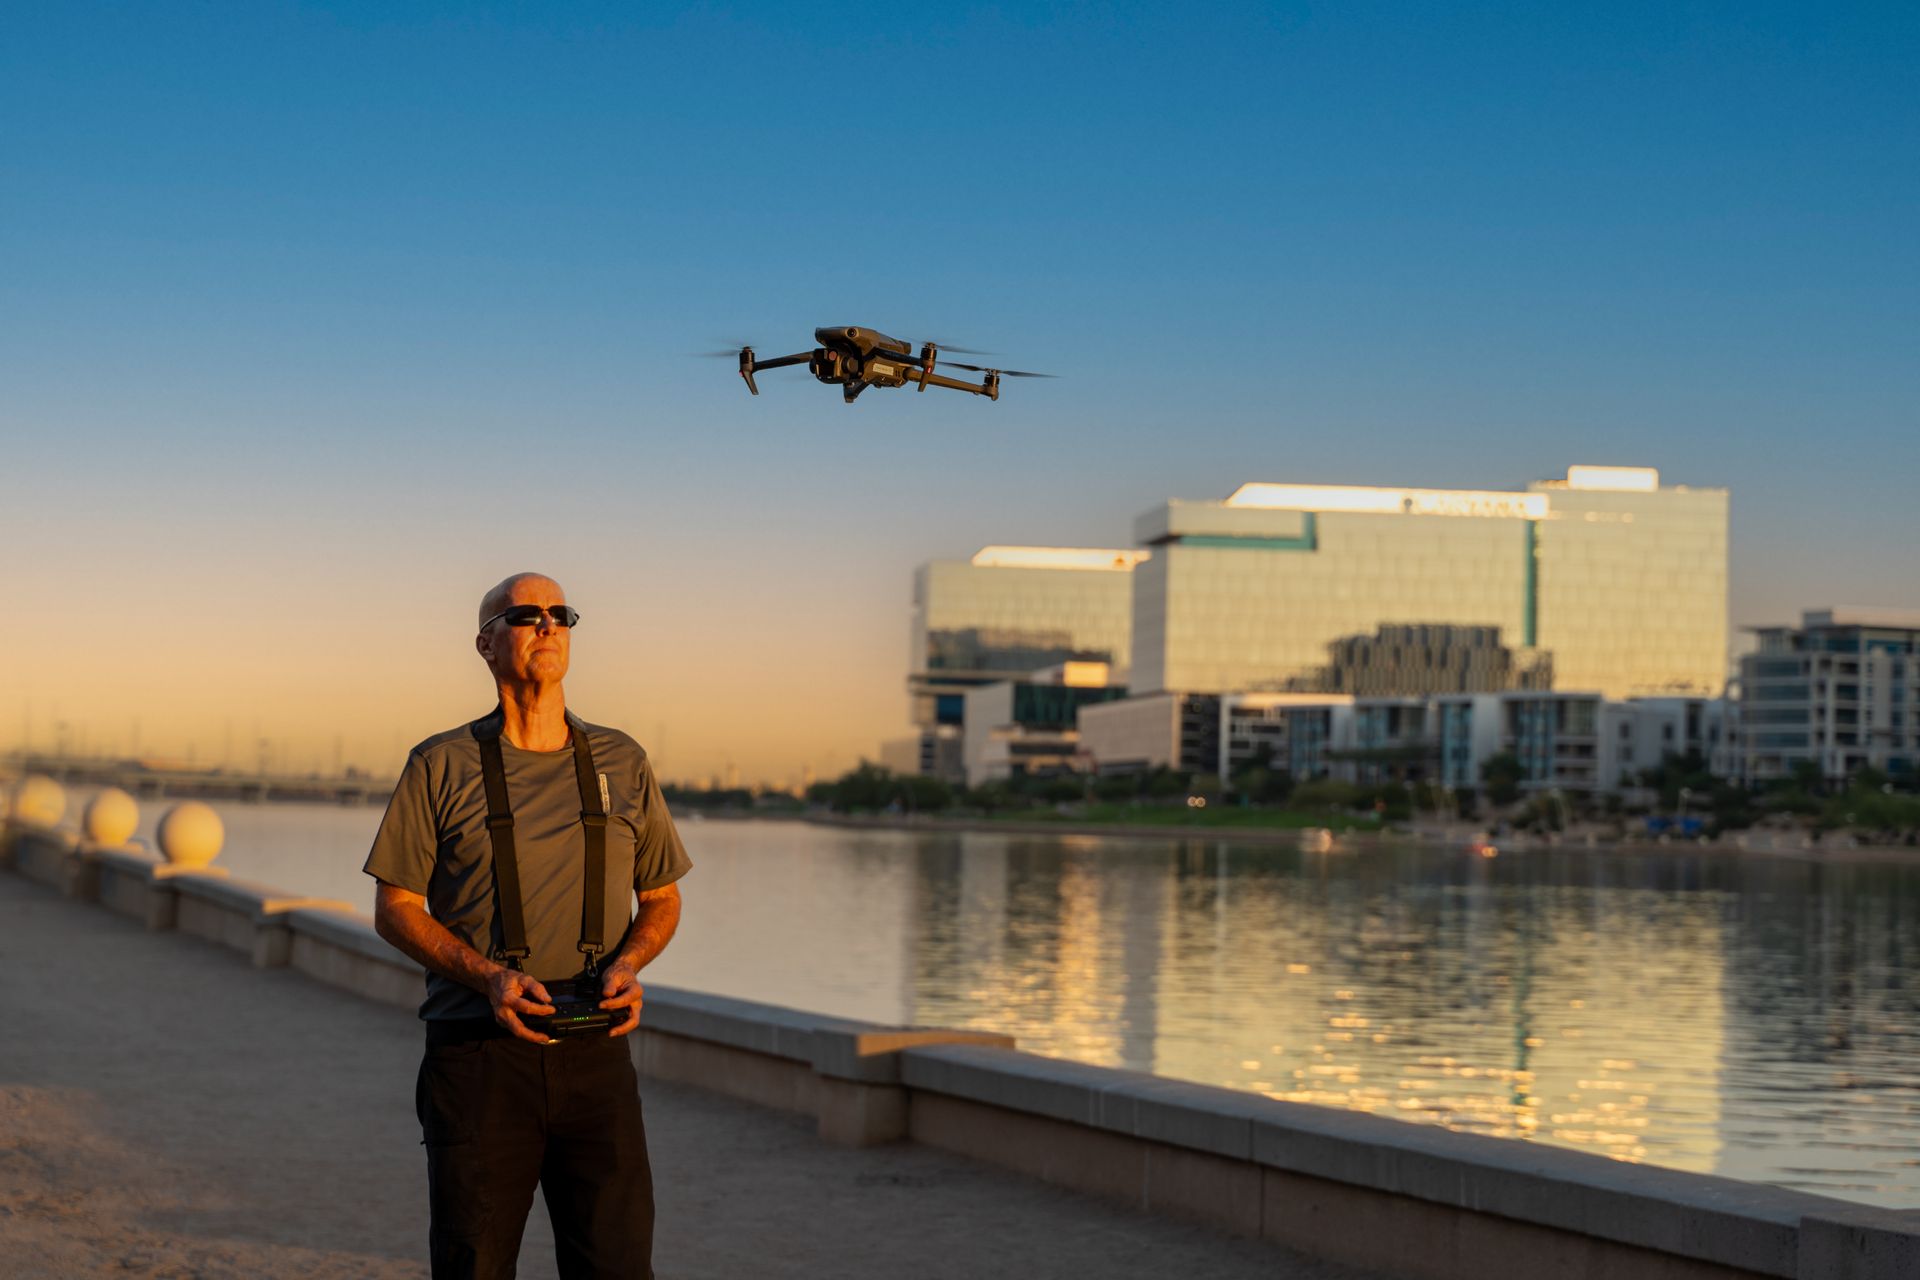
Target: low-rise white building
{"type": "Point", "coordinates": [1028, 727]}
{"type": "Point", "coordinates": [1179, 731]}
{"type": "Point", "coordinates": [1569, 741]}
{"type": "Point", "coordinates": [1264, 726]}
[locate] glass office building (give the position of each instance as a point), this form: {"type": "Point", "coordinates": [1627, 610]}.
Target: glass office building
{"type": "Point", "coordinates": [1621, 580]}
{"type": "Point", "coordinates": [1011, 611]}
{"type": "Point", "coordinates": [1631, 584]}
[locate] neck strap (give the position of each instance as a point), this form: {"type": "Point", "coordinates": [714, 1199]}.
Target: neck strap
{"type": "Point", "coordinates": [510, 906]}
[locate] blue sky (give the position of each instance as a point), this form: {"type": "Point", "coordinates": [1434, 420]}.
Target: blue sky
{"type": "Point", "coordinates": [310, 306]}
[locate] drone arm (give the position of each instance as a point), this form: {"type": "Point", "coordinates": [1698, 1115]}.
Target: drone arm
{"type": "Point", "coordinates": [941, 380]}
{"type": "Point", "coordinates": [749, 366]}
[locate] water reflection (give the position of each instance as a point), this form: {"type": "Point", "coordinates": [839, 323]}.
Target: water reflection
{"type": "Point", "coordinates": [1049, 940]}
{"type": "Point", "coordinates": [1749, 1017]}
{"type": "Point", "coordinates": [1448, 990]}
{"type": "Point", "coordinates": [1754, 1019]}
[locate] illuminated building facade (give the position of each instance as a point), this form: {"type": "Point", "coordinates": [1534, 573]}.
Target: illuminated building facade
{"type": "Point", "coordinates": [1621, 580]}
{"type": "Point", "coordinates": [1011, 611]}
{"type": "Point", "coordinates": [1005, 614]}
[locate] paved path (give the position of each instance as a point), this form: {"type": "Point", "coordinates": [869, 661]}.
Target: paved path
{"type": "Point", "coordinates": [167, 1111]}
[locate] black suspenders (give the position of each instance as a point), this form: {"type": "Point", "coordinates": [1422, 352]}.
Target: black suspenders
{"type": "Point", "coordinates": [506, 869]}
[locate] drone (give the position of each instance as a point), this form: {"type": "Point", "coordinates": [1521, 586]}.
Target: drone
{"type": "Point", "coordinates": [854, 359]}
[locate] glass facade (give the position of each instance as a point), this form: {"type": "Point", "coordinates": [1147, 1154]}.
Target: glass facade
{"type": "Point", "coordinates": [1556, 738]}
{"type": "Point", "coordinates": [1310, 736]}
{"type": "Point", "coordinates": [1457, 756]}
{"type": "Point", "coordinates": [1056, 706]}
{"type": "Point", "coordinates": [1011, 611]}
{"type": "Point", "coordinates": [1625, 587]}
{"type": "Point", "coordinates": [1632, 591]}
{"type": "Point", "coordinates": [1831, 693]}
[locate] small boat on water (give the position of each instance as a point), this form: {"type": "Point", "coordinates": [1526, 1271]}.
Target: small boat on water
{"type": "Point", "coordinates": [1481, 843]}
{"type": "Point", "coordinates": [1316, 840]}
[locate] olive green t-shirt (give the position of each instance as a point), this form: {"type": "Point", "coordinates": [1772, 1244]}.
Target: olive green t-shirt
{"type": "Point", "coordinates": [433, 841]}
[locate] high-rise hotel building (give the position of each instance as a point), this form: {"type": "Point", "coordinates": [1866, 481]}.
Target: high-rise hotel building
{"type": "Point", "coordinates": [1622, 580]}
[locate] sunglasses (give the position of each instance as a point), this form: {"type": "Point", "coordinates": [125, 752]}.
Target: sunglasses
{"type": "Point", "coordinates": [529, 615]}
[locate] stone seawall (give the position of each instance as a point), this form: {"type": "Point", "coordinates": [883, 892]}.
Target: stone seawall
{"type": "Point", "coordinates": [1415, 1200]}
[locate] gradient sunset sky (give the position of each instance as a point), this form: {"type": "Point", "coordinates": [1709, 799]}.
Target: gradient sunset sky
{"type": "Point", "coordinates": [316, 320]}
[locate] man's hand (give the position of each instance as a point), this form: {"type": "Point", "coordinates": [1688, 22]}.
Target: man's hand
{"type": "Point", "coordinates": [512, 993]}
{"type": "Point", "coordinates": [621, 986]}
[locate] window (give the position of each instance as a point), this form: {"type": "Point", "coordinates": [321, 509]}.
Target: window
{"type": "Point", "coordinates": [1777, 692]}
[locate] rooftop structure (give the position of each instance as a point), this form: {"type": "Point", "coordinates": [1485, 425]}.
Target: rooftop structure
{"type": "Point", "coordinates": [1414, 661]}
{"type": "Point", "coordinates": [1621, 579]}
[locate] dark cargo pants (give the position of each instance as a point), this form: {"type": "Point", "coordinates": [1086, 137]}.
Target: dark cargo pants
{"type": "Point", "coordinates": [500, 1115]}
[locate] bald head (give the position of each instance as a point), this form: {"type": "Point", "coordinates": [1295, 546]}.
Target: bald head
{"type": "Point", "coordinates": [501, 596]}
{"type": "Point", "coordinates": [531, 655]}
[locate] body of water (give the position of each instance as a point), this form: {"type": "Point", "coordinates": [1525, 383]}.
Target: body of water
{"type": "Point", "coordinates": [1750, 1017]}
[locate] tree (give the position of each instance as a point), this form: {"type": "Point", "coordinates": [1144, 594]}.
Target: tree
{"type": "Point", "coordinates": [867, 788]}
{"type": "Point", "coordinates": [1390, 801]}
{"type": "Point", "coordinates": [1321, 795]}
{"type": "Point", "coordinates": [1263, 786]}
{"type": "Point", "coordinates": [922, 794]}
{"type": "Point", "coordinates": [1872, 808]}
{"type": "Point", "coordinates": [870, 788]}
{"type": "Point", "coordinates": [1677, 773]}
{"type": "Point", "coordinates": [1163, 783]}
{"type": "Point", "coordinates": [1503, 775]}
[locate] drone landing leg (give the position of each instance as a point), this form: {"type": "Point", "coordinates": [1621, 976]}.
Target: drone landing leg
{"type": "Point", "coordinates": [749, 366]}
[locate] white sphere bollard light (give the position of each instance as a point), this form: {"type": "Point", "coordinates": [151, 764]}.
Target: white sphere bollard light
{"type": "Point", "coordinates": [111, 817]}
{"type": "Point", "coordinates": [39, 801]}
{"type": "Point", "coordinates": [191, 834]}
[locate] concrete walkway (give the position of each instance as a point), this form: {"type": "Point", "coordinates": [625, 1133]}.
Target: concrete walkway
{"type": "Point", "coordinates": [167, 1111]}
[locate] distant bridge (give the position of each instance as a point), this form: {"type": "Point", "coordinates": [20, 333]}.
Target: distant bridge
{"type": "Point", "coordinates": [154, 781]}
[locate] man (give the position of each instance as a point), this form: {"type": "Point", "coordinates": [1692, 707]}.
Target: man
{"type": "Point", "coordinates": [483, 862]}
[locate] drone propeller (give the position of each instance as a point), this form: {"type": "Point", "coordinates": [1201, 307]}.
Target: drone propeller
{"type": "Point", "coordinates": [965, 351]}
{"type": "Point", "coordinates": [1005, 373]}
{"type": "Point", "coordinates": [731, 350]}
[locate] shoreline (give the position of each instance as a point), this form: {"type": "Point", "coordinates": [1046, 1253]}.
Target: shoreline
{"type": "Point", "coordinates": [1290, 837]}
